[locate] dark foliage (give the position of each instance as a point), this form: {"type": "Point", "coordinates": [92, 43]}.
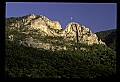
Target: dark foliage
{"type": "Point", "coordinates": [109, 37]}
{"type": "Point", "coordinates": [21, 61]}
{"type": "Point", "coordinates": [110, 40]}
{"type": "Point", "coordinates": [27, 62]}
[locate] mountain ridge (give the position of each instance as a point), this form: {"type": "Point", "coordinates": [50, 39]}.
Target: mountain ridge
{"type": "Point", "coordinates": [32, 26]}
{"type": "Point", "coordinates": [55, 53]}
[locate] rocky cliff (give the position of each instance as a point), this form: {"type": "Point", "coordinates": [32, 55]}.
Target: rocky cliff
{"type": "Point", "coordinates": [84, 34]}
{"type": "Point", "coordinates": [40, 32]}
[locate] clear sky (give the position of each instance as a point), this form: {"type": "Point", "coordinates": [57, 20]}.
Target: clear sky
{"type": "Point", "coordinates": [95, 16]}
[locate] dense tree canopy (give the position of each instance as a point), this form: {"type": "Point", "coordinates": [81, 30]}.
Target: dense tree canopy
{"type": "Point", "coordinates": [21, 61]}
{"type": "Point", "coordinates": [109, 37]}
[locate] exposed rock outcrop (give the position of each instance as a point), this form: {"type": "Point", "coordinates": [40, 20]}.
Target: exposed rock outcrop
{"type": "Point", "coordinates": [42, 26]}
{"type": "Point", "coordinates": [84, 35]}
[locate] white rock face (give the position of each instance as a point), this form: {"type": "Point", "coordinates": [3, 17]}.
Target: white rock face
{"type": "Point", "coordinates": [54, 25]}
{"type": "Point", "coordinates": [44, 21]}
{"type": "Point", "coordinates": [31, 16]}
{"type": "Point", "coordinates": [40, 44]}
{"type": "Point", "coordinates": [71, 27]}
{"type": "Point", "coordinates": [84, 34]}
{"type": "Point", "coordinates": [46, 27]}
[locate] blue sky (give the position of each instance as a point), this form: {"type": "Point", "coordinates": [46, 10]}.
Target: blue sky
{"type": "Point", "coordinates": [96, 16]}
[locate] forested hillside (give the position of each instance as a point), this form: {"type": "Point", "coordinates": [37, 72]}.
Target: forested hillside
{"type": "Point", "coordinates": [21, 61]}
{"type": "Point", "coordinates": [109, 37]}
{"type": "Point", "coordinates": [42, 53]}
